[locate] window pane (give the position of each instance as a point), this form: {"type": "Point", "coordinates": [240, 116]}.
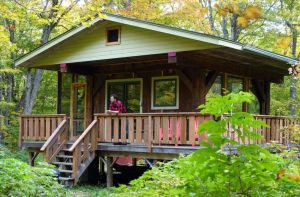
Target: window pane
{"type": "Point", "coordinates": [216, 88]}
{"type": "Point", "coordinates": [113, 35]}
{"type": "Point", "coordinates": [133, 97]}
{"type": "Point", "coordinates": [235, 85]}
{"type": "Point", "coordinates": [165, 92]}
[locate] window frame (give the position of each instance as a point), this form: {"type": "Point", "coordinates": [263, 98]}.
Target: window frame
{"type": "Point", "coordinates": [153, 107]}
{"type": "Point", "coordinates": [124, 80]}
{"type": "Point", "coordinates": [119, 35]}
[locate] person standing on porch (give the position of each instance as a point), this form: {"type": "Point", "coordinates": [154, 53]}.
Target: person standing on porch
{"type": "Point", "coordinates": [116, 106]}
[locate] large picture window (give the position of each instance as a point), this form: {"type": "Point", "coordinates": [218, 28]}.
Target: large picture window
{"type": "Point", "coordinates": [165, 92]}
{"type": "Point", "coordinates": [129, 91]}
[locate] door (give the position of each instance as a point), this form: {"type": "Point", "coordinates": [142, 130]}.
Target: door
{"type": "Point", "coordinates": [78, 109]}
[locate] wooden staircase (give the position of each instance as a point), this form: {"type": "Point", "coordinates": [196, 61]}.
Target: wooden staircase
{"type": "Point", "coordinates": [71, 162]}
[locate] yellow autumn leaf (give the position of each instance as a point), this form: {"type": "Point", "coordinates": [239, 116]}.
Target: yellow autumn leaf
{"type": "Point", "coordinates": [252, 12]}
{"type": "Point", "coordinates": [294, 177]}
{"type": "Point", "coordinates": [242, 21]}
{"type": "Point", "coordinates": [283, 42]}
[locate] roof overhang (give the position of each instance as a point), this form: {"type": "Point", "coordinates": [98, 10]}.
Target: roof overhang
{"type": "Point", "coordinates": [159, 28]}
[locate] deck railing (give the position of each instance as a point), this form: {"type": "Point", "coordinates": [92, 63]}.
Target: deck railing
{"type": "Point", "coordinates": [179, 128]}
{"type": "Point", "coordinates": [153, 128]}
{"type": "Point", "coordinates": [38, 127]}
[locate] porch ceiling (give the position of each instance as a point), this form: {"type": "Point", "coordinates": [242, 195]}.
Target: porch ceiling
{"type": "Point", "coordinates": [221, 59]}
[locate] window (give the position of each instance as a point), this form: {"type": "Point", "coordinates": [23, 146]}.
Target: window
{"type": "Point", "coordinates": [165, 92]}
{"type": "Point", "coordinates": [129, 91]}
{"type": "Point", "coordinates": [113, 36]}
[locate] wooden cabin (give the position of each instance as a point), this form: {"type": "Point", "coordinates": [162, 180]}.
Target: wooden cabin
{"type": "Point", "coordinates": [161, 73]}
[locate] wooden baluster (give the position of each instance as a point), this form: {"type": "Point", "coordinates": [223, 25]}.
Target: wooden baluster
{"type": "Point", "coordinates": [183, 130]}
{"type": "Point", "coordinates": [48, 127]}
{"type": "Point", "coordinates": [42, 129]}
{"type": "Point", "coordinates": [173, 120]}
{"type": "Point", "coordinates": [53, 124]}
{"type": "Point", "coordinates": [139, 130]}
{"type": "Point", "coordinates": [116, 129]}
{"type": "Point", "coordinates": [101, 129]}
{"type": "Point", "coordinates": [26, 128]}
{"type": "Point", "coordinates": [131, 129]}
{"type": "Point", "coordinates": [36, 129]}
{"type": "Point", "coordinates": [123, 129]}
{"type": "Point", "coordinates": [156, 129]}
{"type": "Point", "coordinates": [191, 130]}
{"type": "Point", "coordinates": [30, 130]}
{"type": "Point", "coordinates": [150, 134]}
{"type": "Point", "coordinates": [165, 127]}
{"type": "Point", "coordinates": [108, 129]}
{"type": "Point", "coordinates": [145, 135]}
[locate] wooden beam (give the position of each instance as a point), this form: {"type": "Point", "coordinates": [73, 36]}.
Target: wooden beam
{"type": "Point", "coordinates": [210, 79]}
{"type": "Point", "coordinates": [199, 88]}
{"type": "Point", "coordinates": [185, 79]}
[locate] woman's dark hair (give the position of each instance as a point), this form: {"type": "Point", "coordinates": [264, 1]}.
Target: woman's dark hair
{"type": "Point", "coordinates": [115, 96]}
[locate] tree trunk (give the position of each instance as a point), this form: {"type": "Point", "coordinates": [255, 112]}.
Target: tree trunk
{"type": "Point", "coordinates": [224, 28]}
{"type": "Point", "coordinates": [293, 85]}
{"type": "Point", "coordinates": [210, 17]}
{"type": "Point", "coordinates": [33, 80]}
{"type": "Point", "coordinates": [234, 30]}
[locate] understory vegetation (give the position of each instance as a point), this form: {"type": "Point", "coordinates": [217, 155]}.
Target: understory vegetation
{"type": "Point", "coordinates": [17, 178]}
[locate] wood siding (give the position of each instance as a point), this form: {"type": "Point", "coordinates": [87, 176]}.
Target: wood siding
{"type": "Point", "coordinates": [90, 45]}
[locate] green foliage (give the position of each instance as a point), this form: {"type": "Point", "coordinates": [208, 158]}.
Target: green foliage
{"type": "Point", "coordinates": [19, 179]}
{"type": "Point", "coordinates": [212, 171]}
{"type": "Point", "coordinates": [88, 190]}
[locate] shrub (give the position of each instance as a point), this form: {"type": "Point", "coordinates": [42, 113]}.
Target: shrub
{"type": "Point", "coordinates": [19, 179]}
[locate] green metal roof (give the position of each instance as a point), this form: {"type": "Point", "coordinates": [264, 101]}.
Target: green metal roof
{"type": "Point", "coordinates": [218, 41]}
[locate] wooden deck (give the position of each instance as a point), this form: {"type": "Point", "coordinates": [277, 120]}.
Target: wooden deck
{"type": "Point", "coordinates": [146, 135]}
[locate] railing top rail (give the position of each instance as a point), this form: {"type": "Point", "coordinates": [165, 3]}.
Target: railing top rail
{"type": "Point", "coordinates": [82, 136]}
{"type": "Point", "coordinates": [151, 114]}
{"type": "Point", "coordinates": [270, 116]}
{"type": "Point", "coordinates": [43, 115]}
{"type": "Point", "coordinates": [54, 134]}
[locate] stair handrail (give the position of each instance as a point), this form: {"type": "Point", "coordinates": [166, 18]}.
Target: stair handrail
{"type": "Point", "coordinates": [55, 142]}
{"type": "Point", "coordinates": [76, 148]}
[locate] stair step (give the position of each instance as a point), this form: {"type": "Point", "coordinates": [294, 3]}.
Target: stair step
{"type": "Point", "coordinates": [65, 156]}
{"type": "Point", "coordinates": [65, 149]}
{"type": "Point", "coordinates": [65, 178]}
{"type": "Point", "coordinates": [65, 171]}
{"type": "Point", "coordinates": [62, 163]}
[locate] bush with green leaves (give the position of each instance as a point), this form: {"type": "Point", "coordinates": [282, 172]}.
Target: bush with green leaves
{"type": "Point", "coordinates": [211, 171]}
{"type": "Point", "coordinates": [19, 179]}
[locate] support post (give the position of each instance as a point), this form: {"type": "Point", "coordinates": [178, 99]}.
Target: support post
{"type": "Point", "coordinates": [31, 158]}
{"type": "Point", "coordinates": [134, 162]}
{"type": "Point", "coordinates": [109, 172]}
